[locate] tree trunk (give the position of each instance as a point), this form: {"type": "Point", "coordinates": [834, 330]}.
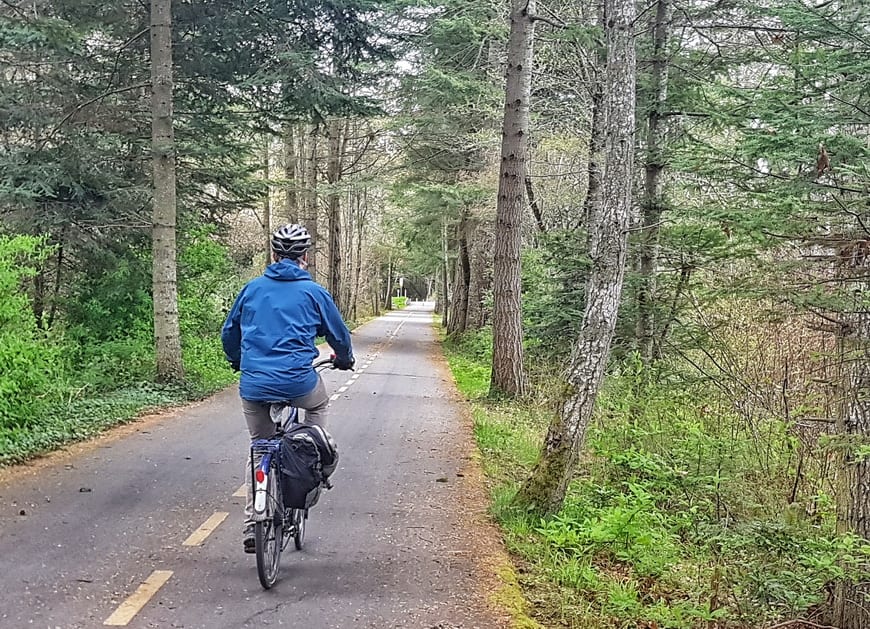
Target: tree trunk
{"type": "Point", "coordinates": [445, 269]}
{"type": "Point", "coordinates": [388, 297]}
{"type": "Point", "coordinates": [267, 205]}
{"type": "Point", "coordinates": [852, 600]}
{"type": "Point", "coordinates": [458, 321]}
{"type": "Point", "coordinates": [167, 336]}
{"type": "Point", "coordinates": [52, 310]}
{"type": "Point", "coordinates": [508, 376]}
{"type": "Point", "coordinates": [653, 198]}
{"type": "Point", "coordinates": [357, 267]}
{"type": "Point", "coordinates": [533, 202]}
{"type": "Point", "coordinates": [291, 207]}
{"type": "Point", "coordinates": [597, 132]}
{"type": "Point", "coordinates": [481, 276]}
{"type": "Point", "coordinates": [333, 175]}
{"type": "Point", "coordinates": [545, 489]}
{"type": "Point", "coordinates": [311, 200]}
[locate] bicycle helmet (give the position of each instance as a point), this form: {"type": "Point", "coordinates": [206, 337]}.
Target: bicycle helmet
{"type": "Point", "coordinates": [291, 241]}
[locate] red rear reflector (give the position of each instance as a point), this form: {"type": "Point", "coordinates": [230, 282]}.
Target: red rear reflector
{"type": "Point", "coordinates": [260, 476]}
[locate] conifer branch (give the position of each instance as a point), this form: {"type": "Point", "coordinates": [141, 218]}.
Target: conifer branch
{"type": "Point", "coordinates": [78, 108]}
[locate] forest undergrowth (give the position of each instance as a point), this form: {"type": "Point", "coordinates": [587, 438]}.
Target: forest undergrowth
{"type": "Point", "coordinates": [683, 513]}
{"type": "Point", "coordinates": [69, 383]}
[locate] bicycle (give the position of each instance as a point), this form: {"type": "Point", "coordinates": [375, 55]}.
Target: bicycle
{"type": "Point", "coordinates": [274, 524]}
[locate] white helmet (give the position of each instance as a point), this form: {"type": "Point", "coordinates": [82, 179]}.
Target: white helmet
{"type": "Point", "coordinates": [291, 241]}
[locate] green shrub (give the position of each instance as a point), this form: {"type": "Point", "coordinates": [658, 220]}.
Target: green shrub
{"type": "Point", "coordinates": [31, 365]}
{"type": "Point", "coordinates": [115, 363]}
{"type": "Point", "coordinates": [399, 303]}
{"type": "Point", "coordinates": [208, 284]}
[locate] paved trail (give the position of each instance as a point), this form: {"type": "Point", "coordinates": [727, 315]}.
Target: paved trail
{"type": "Point", "coordinates": [388, 547]}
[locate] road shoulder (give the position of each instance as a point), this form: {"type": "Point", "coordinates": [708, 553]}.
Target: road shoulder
{"type": "Point", "coordinates": [494, 570]}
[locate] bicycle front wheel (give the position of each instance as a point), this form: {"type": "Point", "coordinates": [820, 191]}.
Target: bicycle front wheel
{"type": "Point", "coordinates": [269, 536]}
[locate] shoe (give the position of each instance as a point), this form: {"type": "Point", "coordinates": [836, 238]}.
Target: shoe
{"type": "Point", "coordinates": [249, 539]}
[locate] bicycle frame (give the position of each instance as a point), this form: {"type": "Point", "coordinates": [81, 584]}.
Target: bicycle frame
{"type": "Point", "coordinates": [274, 523]}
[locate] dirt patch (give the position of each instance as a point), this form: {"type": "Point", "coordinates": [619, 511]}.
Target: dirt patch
{"type": "Point", "coordinates": [494, 571]}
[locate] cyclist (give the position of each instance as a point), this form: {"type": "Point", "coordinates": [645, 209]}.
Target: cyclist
{"type": "Point", "coordinates": [269, 336]}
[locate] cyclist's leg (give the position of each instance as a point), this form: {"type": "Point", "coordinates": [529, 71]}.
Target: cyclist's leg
{"type": "Point", "coordinates": [315, 404]}
{"type": "Point", "coordinates": [261, 426]}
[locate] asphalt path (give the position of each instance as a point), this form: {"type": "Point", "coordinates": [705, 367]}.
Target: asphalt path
{"type": "Point", "coordinates": [142, 528]}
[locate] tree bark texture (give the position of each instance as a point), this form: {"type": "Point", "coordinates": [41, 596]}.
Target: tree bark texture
{"type": "Point", "coordinates": [480, 283]}
{"type": "Point", "coordinates": [333, 174]}
{"type": "Point", "coordinates": [445, 271]}
{"type": "Point", "coordinates": [360, 219]}
{"type": "Point", "coordinates": [852, 600]}
{"type": "Point", "coordinates": [291, 203]}
{"type": "Point", "coordinates": [167, 336]}
{"type": "Point", "coordinates": [267, 205]}
{"type": "Point", "coordinates": [311, 208]}
{"type": "Point", "coordinates": [545, 489]}
{"type": "Point", "coordinates": [508, 375]}
{"type": "Point", "coordinates": [597, 132]}
{"type": "Point", "coordinates": [349, 213]}
{"type": "Point", "coordinates": [458, 321]}
{"type": "Point", "coordinates": [533, 202]}
{"type": "Point", "coordinates": [653, 198]}
{"type": "Point", "coordinates": [388, 291]}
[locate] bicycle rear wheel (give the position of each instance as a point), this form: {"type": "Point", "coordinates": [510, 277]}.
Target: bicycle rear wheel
{"type": "Point", "coordinates": [300, 516]}
{"type": "Point", "coordinates": [268, 534]}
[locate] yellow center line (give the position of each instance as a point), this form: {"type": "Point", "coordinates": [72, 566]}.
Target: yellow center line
{"type": "Point", "coordinates": [138, 599]}
{"type": "Point", "coordinates": [198, 536]}
{"type": "Point", "coordinates": [242, 491]}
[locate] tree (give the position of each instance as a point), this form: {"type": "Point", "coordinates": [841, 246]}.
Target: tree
{"type": "Point", "coordinates": [652, 204]}
{"type": "Point", "coordinates": [853, 427]}
{"type": "Point", "coordinates": [338, 131]}
{"type": "Point", "coordinates": [167, 334]}
{"type": "Point", "coordinates": [608, 229]}
{"type": "Point", "coordinates": [508, 374]}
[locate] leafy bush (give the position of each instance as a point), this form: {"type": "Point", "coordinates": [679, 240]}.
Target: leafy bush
{"type": "Point", "coordinates": [399, 303]}
{"type": "Point", "coordinates": [60, 387]}
{"type": "Point", "coordinates": [30, 364]}
{"type": "Point", "coordinates": [205, 295]}
{"type": "Point", "coordinates": [115, 363]}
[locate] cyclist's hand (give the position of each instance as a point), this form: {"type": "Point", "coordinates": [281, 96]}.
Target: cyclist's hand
{"type": "Point", "coordinates": [235, 367]}
{"type": "Point", "coordinates": [344, 365]}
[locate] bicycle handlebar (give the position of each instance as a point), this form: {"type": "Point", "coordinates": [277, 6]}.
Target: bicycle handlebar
{"type": "Point", "coordinates": [323, 363]}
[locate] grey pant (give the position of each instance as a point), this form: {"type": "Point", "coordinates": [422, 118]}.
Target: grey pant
{"type": "Point", "coordinates": [261, 426]}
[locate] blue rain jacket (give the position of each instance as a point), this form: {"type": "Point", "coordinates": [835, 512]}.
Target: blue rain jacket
{"type": "Point", "coordinates": [270, 333]}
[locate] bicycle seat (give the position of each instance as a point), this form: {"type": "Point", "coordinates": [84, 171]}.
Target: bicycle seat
{"type": "Point", "coordinates": [283, 413]}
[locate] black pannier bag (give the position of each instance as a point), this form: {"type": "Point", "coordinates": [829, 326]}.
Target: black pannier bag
{"type": "Point", "coordinates": [308, 457]}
